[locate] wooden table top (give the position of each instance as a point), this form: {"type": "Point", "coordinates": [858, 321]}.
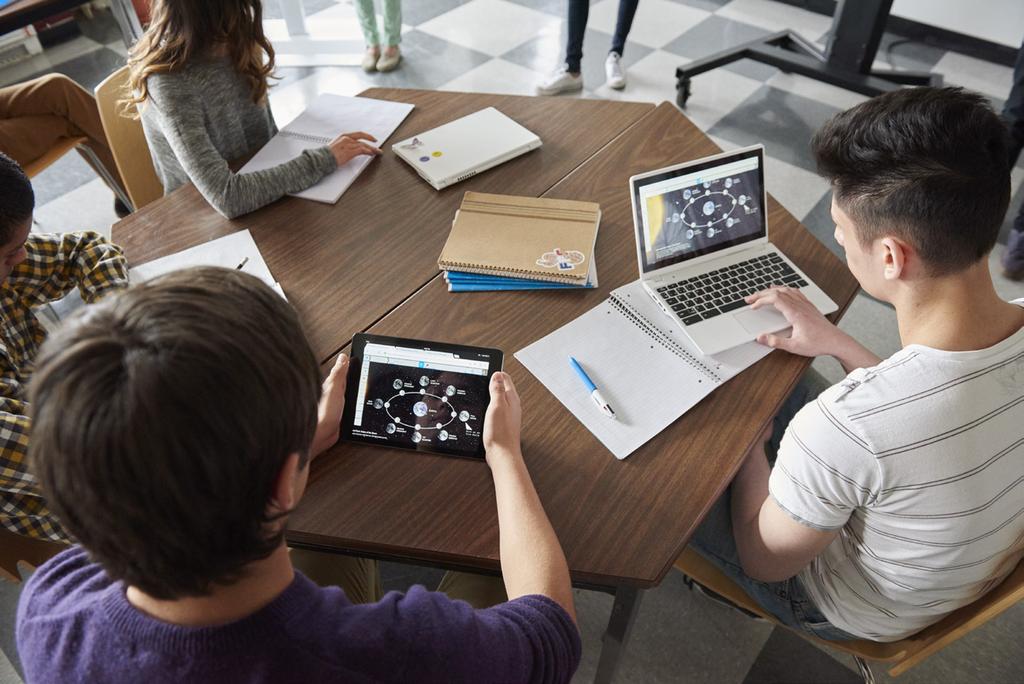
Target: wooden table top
{"type": "Point", "coordinates": [620, 522]}
{"type": "Point", "coordinates": [345, 266]}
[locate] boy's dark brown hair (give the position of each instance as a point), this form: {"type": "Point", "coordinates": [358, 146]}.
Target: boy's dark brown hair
{"type": "Point", "coordinates": [17, 201]}
{"type": "Point", "coordinates": [161, 419]}
{"type": "Point", "coordinates": [926, 165]}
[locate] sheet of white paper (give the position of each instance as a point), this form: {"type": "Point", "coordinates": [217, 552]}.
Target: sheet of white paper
{"type": "Point", "coordinates": [228, 252]}
{"type": "Point", "coordinates": [640, 370]}
{"type": "Point", "coordinates": [329, 116]}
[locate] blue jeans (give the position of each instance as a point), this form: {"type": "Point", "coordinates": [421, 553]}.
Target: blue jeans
{"type": "Point", "coordinates": [577, 24]}
{"type": "Point", "coordinates": [787, 601]}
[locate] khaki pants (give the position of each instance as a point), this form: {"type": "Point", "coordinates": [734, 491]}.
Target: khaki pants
{"type": "Point", "coordinates": [36, 114]}
{"type": "Point", "coordinates": [359, 578]}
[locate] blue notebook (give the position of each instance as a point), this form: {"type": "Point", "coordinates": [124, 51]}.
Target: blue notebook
{"type": "Point", "coordinates": [460, 281]}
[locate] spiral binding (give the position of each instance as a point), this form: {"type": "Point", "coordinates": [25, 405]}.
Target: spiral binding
{"type": "Point", "coordinates": [307, 138]}
{"type": "Point", "coordinates": [645, 324]}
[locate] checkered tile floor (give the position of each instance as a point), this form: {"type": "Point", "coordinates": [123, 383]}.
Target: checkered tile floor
{"type": "Point", "coordinates": [506, 46]}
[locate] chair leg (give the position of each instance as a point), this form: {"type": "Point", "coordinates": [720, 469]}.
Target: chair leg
{"type": "Point", "coordinates": [102, 172]}
{"type": "Point", "coordinates": [865, 670]}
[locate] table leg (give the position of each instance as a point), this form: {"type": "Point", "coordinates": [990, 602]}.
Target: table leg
{"type": "Point", "coordinates": [127, 20]}
{"type": "Point", "coordinates": [620, 624]}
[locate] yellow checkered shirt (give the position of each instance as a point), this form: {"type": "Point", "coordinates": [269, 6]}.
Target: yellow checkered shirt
{"type": "Point", "coordinates": [56, 265]}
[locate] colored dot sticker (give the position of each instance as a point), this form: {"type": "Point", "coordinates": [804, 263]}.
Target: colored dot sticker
{"type": "Point", "coordinates": [424, 159]}
{"type": "Point", "coordinates": [436, 153]}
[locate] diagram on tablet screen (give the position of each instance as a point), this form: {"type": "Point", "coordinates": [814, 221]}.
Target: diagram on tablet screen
{"type": "Point", "coordinates": [421, 405]}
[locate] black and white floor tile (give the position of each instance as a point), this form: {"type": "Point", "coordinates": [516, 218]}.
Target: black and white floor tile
{"type": "Point", "coordinates": [506, 46]}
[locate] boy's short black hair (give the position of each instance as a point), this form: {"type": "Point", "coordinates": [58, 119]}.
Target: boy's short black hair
{"type": "Point", "coordinates": [926, 165]}
{"type": "Point", "coordinates": [161, 419]}
{"type": "Point", "coordinates": [17, 201]}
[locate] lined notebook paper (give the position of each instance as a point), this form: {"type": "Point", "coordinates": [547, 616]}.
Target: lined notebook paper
{"type": "Point", "coordinates": [324, 120]}
{"type": "Point", "coordinates": [642, 362]}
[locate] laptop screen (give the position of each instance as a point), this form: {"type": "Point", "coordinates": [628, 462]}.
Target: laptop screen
{"type": "Point", "coordinates": [699, 208]}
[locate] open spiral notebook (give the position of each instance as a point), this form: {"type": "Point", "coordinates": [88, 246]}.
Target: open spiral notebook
{"type": "Point", "coordinates": [643, 363]}
{"type": "Point", "coordinates": [327, 117]}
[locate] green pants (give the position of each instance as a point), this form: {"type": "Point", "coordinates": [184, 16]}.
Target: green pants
{"type": "Point", "coordinates": [392, 11]}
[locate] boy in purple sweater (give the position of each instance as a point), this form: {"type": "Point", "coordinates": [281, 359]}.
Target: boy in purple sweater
{"type": "Point", "coordinates": [173, 429]}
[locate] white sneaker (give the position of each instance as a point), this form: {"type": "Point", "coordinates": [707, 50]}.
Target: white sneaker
{"type": "Point", "coordinates": [613, 71]}
{"type": "Point", "coordinates": [560, 81]}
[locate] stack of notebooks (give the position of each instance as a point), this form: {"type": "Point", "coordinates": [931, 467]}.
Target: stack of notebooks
{"type": "Point", "coordinates": [501, 242]}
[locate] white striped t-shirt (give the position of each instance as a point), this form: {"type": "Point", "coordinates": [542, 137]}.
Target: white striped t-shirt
{"type": "Point", "coordinates": [919, 462]}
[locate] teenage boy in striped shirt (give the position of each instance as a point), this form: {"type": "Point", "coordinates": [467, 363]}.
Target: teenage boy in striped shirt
{"type": "Point", "coordinates": [896, 495]}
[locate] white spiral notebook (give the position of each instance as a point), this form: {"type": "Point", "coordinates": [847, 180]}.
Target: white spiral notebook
{"type": "Point", "coordinates": [643, 364]}
{"type": "Point", "coordinates": [323, 121]}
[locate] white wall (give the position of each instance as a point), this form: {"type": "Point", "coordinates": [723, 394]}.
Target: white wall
{"type": "Point", "coordinates": [1000, 21]}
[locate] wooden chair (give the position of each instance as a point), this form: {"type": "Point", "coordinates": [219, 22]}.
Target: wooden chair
{"type": "Point", "coordinates": [63, 146]}
{"type": "Point", "coordinates": [901, 655]}
{"type": "Point", "coordinates": [15, 549]}
{"type": "Point", "coordinates": [127, 141]}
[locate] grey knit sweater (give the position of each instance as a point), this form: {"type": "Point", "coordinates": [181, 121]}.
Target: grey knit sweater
{"type": "Point", "coordinates": [199, 119]}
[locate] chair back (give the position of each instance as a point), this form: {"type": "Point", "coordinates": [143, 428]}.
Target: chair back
{"type": "Point", "coordinates": [903, 654]}
{"type": "Point", "coordinates": [15, 549]}
{"type": "Point", "coordinates": [127, 141]}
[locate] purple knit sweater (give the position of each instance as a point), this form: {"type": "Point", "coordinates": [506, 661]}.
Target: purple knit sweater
{"type": "Point", "coordinates": [75, 625]}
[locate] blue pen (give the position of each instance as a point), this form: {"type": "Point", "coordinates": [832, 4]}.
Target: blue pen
{"type": "Point", "coordinates": [605, 407]}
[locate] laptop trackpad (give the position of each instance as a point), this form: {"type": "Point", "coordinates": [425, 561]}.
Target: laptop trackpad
{"type": "Point", "coordinates": [763, 320]}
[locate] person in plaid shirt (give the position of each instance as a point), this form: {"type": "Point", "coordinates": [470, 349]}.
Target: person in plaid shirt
{"type": "Point", "coordinates": [34, 270]}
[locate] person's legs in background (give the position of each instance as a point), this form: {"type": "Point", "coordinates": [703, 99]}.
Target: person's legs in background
{"type": "Point", "coordinates": [568, 78]}
{"type": "Point", "coordinates": [615, 74]}
{"type": "Point", "coordinates": [368, 23]}
{"type": "Point", "coordinates": [358, 577]}
{"type": "Point", "coordinates": [391, 55]}
{"type": "Point", "coordinates": [1013, 113]}
{"type": "Point", "coordinates": [36, 114]}
{"type": "Point", "coordinates": [479, 591]}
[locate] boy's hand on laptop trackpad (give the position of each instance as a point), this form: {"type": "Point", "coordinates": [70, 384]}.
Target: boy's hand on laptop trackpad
{"type": "Point", "coordinates": [813, 334]}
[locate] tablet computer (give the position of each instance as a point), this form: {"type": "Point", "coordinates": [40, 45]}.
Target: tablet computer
{"type": "Point", "coordinates": [418, 395]}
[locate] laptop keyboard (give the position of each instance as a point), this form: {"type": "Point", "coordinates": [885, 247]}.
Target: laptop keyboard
{"type": "Point", "coordinates": [716, 292]}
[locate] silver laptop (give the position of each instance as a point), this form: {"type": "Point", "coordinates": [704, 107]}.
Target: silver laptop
{"type": "Point", "coordinates": [702, 243]}
{"type": "Point", "coordinates": [463, 148]}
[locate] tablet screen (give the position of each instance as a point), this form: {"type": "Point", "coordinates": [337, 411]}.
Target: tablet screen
{"type": "Point", "coordinates": [418, 395]}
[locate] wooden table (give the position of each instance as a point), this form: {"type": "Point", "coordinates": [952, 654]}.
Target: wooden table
{"type": "Point", "coordinates": [369, 263]}
{"type": "Point", "coordinates": [345, 266]}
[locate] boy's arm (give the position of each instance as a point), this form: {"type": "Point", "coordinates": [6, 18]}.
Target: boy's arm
{"type": "Point", "coordinates": [813, 334]}
{"type": "Point", "coordinates": [532, 561]}
{"type": "Point", "coordinates": [772, 545]}
{"type": "Point", "coordinates": [24, 510]}
{"type": "Point", "coordinates": [58, 263]}
{"type": "Point", "coordinates": [783, 517]}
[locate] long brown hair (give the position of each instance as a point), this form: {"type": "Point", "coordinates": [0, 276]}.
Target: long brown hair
{"type": "Point", "coordinates": [182, 30]}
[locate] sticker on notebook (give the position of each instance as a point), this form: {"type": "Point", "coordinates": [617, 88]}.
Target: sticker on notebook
{"type": "Point", "coordinates": [413, 144]}
{"type": "Point", "coordinates": [562, 260]}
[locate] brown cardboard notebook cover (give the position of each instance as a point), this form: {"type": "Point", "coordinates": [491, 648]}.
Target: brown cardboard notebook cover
{"type": "Point", "coordinates": [523, 237]}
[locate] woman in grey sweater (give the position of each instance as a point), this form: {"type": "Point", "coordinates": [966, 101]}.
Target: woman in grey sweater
{"type": "Point", "coordinates": [199, 77]}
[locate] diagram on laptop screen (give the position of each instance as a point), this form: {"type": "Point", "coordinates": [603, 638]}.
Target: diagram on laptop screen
{"type": "Point", "coordinates": [419, 405]}
{"type": "Point", "coordinates": [703, 214]}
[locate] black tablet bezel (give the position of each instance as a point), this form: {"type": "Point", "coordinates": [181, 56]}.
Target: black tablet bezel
{"type": "Point", "coordinates": [495, 359]}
